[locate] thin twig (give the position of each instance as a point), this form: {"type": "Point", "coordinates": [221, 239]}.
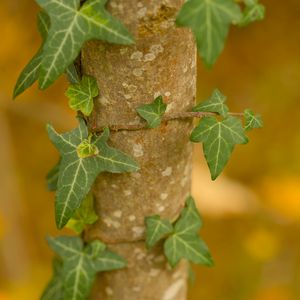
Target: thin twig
{"type": "Point", "coordinates": [166, 118]}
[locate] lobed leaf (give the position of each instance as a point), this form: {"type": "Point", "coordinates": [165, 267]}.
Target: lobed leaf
{"type": "Point", "coordinates": [77, 173]}
{"type": "Point", "coordinates": [189, 221]}
{"type": "Point", "coordinates": [184, 242]}
{"type": "Point", "coordinates": [156, 229]}
{"type": "Point", "coordinates": [187, 246]}
{"type": "Point", "coordinates": [214, 104]}
{"type": "Point", "coordinates": [153, 112]}
{"type": "Point", "coordinates": [182, 238]}
{"type": "Point", "coordinates": [81, 95]}
{"type": "Point", "coordinates": [71, 27]}
{"type": "Point", "coordinates": [209, 21]}
{"type": "Point", "coordinates": [254, 11]}
{"type": "Point", "coordinates": [219, 139]}
{"type": "Point", "coordinates": [80, 264]}
{"type": "Point", "coordinates": [252, 121]}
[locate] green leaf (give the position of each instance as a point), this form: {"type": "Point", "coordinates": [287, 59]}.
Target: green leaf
{"type": "Point", "coordinates": [187, 246]}
{"type": "Point", "coordinates": [81, 263]}
{"type": "Point", "coordinates": [77, 174]}
{"type": "Point", "coordinates": [219, 139]}
{"type": "Point", "coordinates": [81, 95]}
{"type": "Point", "coordinates": [84, 215]}
{"type": "Point", "coordinates": [54, 289]}
{"type": "Point", "coordinates": [189, 220]}
{"type": "Point", "coordinates": [210, 21]}
{"type": "Point", "coordinates": [156, 229]}
{"type": "Point", "coordinates": [252, 121]}
{"type": "Point", "coordinates": [153, 112]}
{"type": "Point", "coordinates": [71, 27]}
{"type": "Point", "coordinates": [72, 74]}
{"type": "Point", "coordinates": [109, 261]}
{"type": "Point", "coordinates": [214, 104]}
{"type": "Point", "coordinates": [31, 72]}
{"type": "Point", "coordinates": [254, 11]}
{"type": "Point", "coordinates": [52, 177]}
{"type": "Point", "coordinates": [185, 242]}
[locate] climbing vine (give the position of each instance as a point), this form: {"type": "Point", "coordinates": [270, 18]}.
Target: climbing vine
{"type": "Point", "coordinates": [64, 26]}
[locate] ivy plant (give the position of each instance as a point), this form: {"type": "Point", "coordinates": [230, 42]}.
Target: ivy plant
{"type": "Point", "coordinates": [65, 26]}
{"type": "Point", "coordinates": [76, 267]}
{"type": "Point", "coordinates": [181, 240]}
{"type": "Point", "coordinates": [84, 157]}
{"type": "Point", "coordinates": [81, 95]}
{"type": "Point", "coordinates": [210, 22]}
{"type": "Point", "coordinates": [153, 112]}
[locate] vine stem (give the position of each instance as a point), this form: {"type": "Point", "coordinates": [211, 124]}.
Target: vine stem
{"type": "Point", "coordinates": [166, 118]}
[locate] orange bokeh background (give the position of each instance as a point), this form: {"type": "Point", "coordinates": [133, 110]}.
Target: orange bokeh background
{"type": "Point", "coordinates": [251, 213]}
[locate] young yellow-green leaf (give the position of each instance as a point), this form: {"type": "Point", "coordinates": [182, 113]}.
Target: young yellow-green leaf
{"type": "Point", "coordinates": [219, 139]}
{"type": "Point", "coordinates": [214, 104]}
{"type": "Point", "coordinates": [156, 229]}
{"type": "Point", "coordinates": [210, 21]}
{"type": "Point", "coordinates": [254, 11]}
{"type": "Point", "coordinates": [52, 177]}
{"type": "Point", "coordinates": [71, 27]}
{"type": "Point", "coordinates": [252, 121]}
{"type": "Point", "coordinates": [153, 112]}
{"type": "Point", "coordinates": [81, 263]}
{"type": "Point", "coordinates": [77, 174]}
{"type": "Point", "coordinates": [184, 242]}
{"type": "Point", "coordinates": [81, 95]}
{"type": "Point", "coordinates": [84, 215]}
{"type": "Point", "coordinates": [54, 289]}
{"type": "Point", "coordinates": [31, 72]}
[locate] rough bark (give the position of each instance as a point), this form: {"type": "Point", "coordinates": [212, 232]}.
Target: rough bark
{"type": "Point", "coordinates": [162, 62]}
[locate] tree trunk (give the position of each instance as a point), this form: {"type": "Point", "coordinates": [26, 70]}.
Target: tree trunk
{"type": "Point", "coordinates": [162, 62]}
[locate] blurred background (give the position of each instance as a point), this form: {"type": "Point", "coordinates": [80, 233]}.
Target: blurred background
{"type": "Point", "coordinates": [251, 213]}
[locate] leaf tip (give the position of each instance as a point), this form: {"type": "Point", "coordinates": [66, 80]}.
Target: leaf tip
{"type": "Point", "coordinates": [16, 93]}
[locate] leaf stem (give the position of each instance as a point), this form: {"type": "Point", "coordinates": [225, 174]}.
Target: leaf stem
{"type": "Point", "coordinates": [166, 118]}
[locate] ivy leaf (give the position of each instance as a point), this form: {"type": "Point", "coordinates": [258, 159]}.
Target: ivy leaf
{"type": "Point", "coordinates": [187, 246]}
{"type": "Point", "coordinates": [31, 72]}
{"type": "Point", "coordinates": [52, 177]}
{"type": "Point", "coordinates": [54, 289]}
{"type": "Point", "coordinates": [109, 261]}
{"type": "Point", "coordinates": [71, 27]}
{"type": "Point", "coordinates": [84, 157]}
{"type": "Point", "coordinates": [219, 139]}
{"type": "Point", "coordinates": [209, 21]}
{"type": "Point", "coordinates": [81, 95]}
{"type": "Point", "coordinates": [252, 121]}
{"type": "Point", "coordinates": [185, 242]}
{"type": "Point", "coordinates": [190, 220]}
{"type": "Point", "coordinates": [156, 229]}
{"type": "Point", "coordinates": [153, 112]}
{"type": "Point", "coordinates": [84, 215]}
{"type": "Point", "coordinates": [254, 11]}
{"type": "Point", "coordinates": [72, 74]}
{"type": "Point", "coordinates": [214, 104]}
{"type": "Point", "coordinates": [81, 263]}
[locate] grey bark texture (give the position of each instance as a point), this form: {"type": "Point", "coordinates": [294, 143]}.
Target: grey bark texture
{"type": "Point", "coordinates": [161, 62]}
